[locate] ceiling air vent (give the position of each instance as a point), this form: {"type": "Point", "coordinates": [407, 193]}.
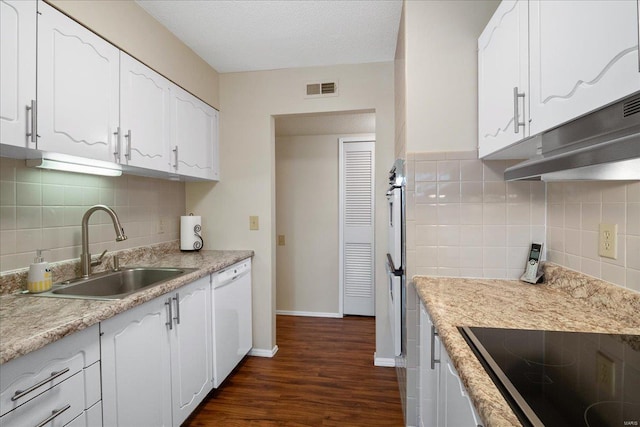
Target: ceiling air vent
{"type": "Point", "coordinates": [319, 89]}
{"type": "Point", "coordinates": [631, 107]}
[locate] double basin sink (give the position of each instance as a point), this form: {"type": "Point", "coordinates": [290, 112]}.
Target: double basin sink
{"type": "Point", "coordinates": [115, 284]}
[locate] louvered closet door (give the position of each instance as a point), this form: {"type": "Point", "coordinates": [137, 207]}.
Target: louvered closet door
{"type": "Point", "coordinates": [356, 216]}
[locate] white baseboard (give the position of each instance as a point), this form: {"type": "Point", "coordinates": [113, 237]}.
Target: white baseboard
{"type": "Point", "coordinates": [387, 362]}
{"type": "Point", "coordinates": [307, 313]}
{"type": "Point", "coordinates": [262, 352]}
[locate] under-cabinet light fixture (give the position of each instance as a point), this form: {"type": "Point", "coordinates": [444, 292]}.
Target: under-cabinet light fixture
{"type": "Point", "coordinates": [66, 163]}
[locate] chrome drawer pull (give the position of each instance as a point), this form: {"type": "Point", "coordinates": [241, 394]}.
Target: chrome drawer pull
{"type": "Point", "coordinates": [433, 348]}
{"type": "Point", "coordinates": [54, 414]}
{"type": "Point", "coordinates": [21, 393]}
{"type": "Point", "coordinates": [177, 299]}
{"type": "Point", "coordinates": [169, 322]}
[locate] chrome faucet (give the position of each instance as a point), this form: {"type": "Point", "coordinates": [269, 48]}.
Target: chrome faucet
{"type": "Point", "coordinates": [85, 258]}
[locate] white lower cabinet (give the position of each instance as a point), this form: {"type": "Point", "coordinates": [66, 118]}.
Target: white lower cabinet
{"type": "Point", "coordinates": [156, 359]}
{"type": "Point", "coordinates": [55, 385]}
{"type": "Point", "coordinates": [443, 398]}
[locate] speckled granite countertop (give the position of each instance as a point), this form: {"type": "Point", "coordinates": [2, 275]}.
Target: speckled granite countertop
{"type": "Point", "coordinates": [28, 323]}
{"type": "Point", "coordinates": [570, 301]}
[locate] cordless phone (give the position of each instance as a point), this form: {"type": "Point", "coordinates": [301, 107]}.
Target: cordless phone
{"type": "Point", "coordinates": [532, 270]}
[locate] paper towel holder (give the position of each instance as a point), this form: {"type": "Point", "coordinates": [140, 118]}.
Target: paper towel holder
{"type": "Point", "coordinates": [188, 241]}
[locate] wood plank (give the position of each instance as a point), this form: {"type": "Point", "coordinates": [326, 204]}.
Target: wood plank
{"type": "Point", "coordinates": [322, 375]}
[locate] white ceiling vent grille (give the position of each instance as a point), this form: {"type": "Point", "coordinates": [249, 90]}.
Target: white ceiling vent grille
{"type": "Point", "coordinates": [321, 89]}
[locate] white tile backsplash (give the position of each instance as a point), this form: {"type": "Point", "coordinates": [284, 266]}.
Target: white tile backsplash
{"type": "Point", "coordinates": [576, 209]}
{"type": "Point", "coordinates": [41, 209]}
{"type": "Point", "coordinates": [467, 220]}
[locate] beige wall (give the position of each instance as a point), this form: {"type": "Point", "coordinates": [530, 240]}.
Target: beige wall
{"type": "Point", "coordinates": [247, 160]}
{"type": "Point", "coordinates": [42, 209]}
{"type": "Point", "coordinates": [400, 85]}
{"type": "Point", "coordinates": [442, 73]}
{"type": "Point", "coordinates": [574, 211]}
{"type": "Point", "coordinates": [132, 29]}
{"type": "Point", "coordinates": [307, 215]}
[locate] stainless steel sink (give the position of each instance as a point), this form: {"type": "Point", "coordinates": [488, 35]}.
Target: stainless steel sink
{"type": "Point", "coordinates": [115, 284]}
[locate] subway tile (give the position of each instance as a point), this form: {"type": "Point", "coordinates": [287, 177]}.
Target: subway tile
{"type": "Point", "coordinates": [73, 196]}
{"type": "Point", "coordinates": [593, 192]}
{"type": "Point", "coordinates": [7, 169]}
{"type": "Point", "coordinates": [557, 257]}
{"type": "Point", "coordinates": [28, 194]}
{"type": "Point", "coordinates": [426, 214]}
{"type": "Point", "coordinates": [614, 192]}
{"type": "Point", "coordinates": [555, 239]}
{"type": "Point", "coordinates": [495, 273]}
{"type": "Point", "coordinates": [555, 192]}
{"type": "Point", "coordinates": [473, 273]}
{"type": "Point", "coordinates": [426, 235]}
{"type": "Point", "coordinates": [7, 193]}
{"type": "Point", "coordinates": [7, 242]}
{"type": "Point", "coordinates": [449, 256]}
{"type": "Point", "coordinates": [590, 267]}
{"type": "Point", "coordinates": [538, 212]}
{"type": "Point", "coordinates": [573, 262]}
{"type": "Point", "coordinates": [614, 274]}
{"type": "Point", "coordinates": [471, 257]}
{"type": "Point", "coordinates": [53, 216]}
{"type": "Point", "coordinates": [426, 171]}
{"type": "Point", "coordinates": [517, 258]}
{"type": "Point", "coordinates": [555, 214]}
{"type": "Point", "coordinates": [494, 258]}
{"type": "Point", "coordinates": [448, 272]}
{"type": "Point", "coordinates": [410, 207]}
{"type": "Point", "coordinates": [28, 240]}
{"type": "Point", "coordinates": [518, 192]}
{"type": "Point", "coordinates": [574, 192]}
{"type": "Point", "coordinates": [28, 174]}
{"type": "Point", "coordinates": [426, 256]}
{"type": "Point", "coordinates": [73, 215]}
{"type": "Point", "coordinates": [633, 279]}
{"type": "Point", "coordinates": [518, 235]}
{"type": "Point", "coordinates": [589, 244]}
{"type": "Point", "coordinates": [448, 170]}
{"type": "Point", "coordinates": [538, 234]}
{"type": "Point", "coordinates": [471, 170]}
{"type": "Point", "coordinates": [427, 271]}
{"type": "Point", "coordinates": [572, 241]}
{"type": "Point", "coordinates": [90, 196]}
{"type": "Point", "coordinates": [493, 170]}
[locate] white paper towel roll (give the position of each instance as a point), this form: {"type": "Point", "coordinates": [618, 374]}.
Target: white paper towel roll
{"type": "Point", "coordinates": [191, 233]}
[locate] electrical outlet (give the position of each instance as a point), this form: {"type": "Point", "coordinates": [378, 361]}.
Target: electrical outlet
{"type": "Point", "coordinates": [161, 226]}
{"type": "Point", "coordinates": [605, 373]}
{"type": "Point", "coordinates": [254, 223]}
{"type": "Point", "coordinates": [608, 240]}
{"type": "Point", "coordinates": [280, 239]}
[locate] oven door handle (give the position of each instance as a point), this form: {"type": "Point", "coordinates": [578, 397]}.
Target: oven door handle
{"type": "Point", "coordinates": [392, 269]}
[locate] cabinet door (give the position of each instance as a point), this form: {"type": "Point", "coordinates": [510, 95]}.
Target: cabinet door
{"type": "Point", "coordinates": [503, 66]}
{"type": "Point", "coordinates": [429, 377]}
{"type": "Point", "coordinates": [144, 113]}
{"type": "Point", "coordinates": [455, 407]}
{"type": "Point", "coordinates": [136, 367]}
{"type": "Point", "coordinates": [18, 70]}
{"type": "Point", "coordinates": [584, 55]}
{"type": "Point", "coordinates": [78, 74]}
{"type": "Point", "coordinates": [191, 349]}
{"type": "Point", "coordinates": [194, 128]}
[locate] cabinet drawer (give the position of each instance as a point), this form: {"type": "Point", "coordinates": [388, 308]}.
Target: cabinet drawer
{"type": "Point", "coordinates": [66, 399]}
{"type": "Point", "coordinates": [41, 370]}
{"type": "Point", "coordinates": [92, 417]}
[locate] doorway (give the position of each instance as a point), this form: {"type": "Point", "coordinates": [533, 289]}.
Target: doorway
{"type": "Point", "coordinates": [307, 209]}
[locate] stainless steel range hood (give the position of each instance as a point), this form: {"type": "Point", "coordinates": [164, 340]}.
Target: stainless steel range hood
{"type": "Point", "coordinates": [603, 145]}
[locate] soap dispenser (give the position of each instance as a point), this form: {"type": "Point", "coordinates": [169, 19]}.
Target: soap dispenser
{"type": "Point", "coordinates": [39, 278]}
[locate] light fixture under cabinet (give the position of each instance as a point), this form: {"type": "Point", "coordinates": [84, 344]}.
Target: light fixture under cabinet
{"type": "Point", "coordinates": [67, 163]}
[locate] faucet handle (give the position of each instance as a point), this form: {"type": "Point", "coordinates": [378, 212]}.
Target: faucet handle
{"type": "Point", "coordinates": [98, 261]}
{"type": "Point", "coordinates": [116, 263]}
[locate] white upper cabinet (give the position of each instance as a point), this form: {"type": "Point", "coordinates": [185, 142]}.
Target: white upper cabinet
{"type": "Point", "coordinates": [78, 84]}
{"type": "Point", "coordinates": [584, 55]}
{"type": "Point", "coordinates": [194, 130]}
{"type": "Point", "coordinates": [144, 116]}
{"type": "Point", "coordinates": [18, 71]}
{"type": "Point", "coordinates": [502, 66]}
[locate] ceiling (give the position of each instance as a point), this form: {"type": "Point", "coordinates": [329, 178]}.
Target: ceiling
{"type": "Point", "coordinates": [251, 35]}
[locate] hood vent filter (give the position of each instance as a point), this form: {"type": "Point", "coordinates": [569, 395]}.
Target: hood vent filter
{"type": "Point", "coordinates": [631, 107]}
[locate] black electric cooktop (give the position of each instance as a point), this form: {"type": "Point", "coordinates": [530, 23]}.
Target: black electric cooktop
{"type": "Point", "coordinates": [563, 378]}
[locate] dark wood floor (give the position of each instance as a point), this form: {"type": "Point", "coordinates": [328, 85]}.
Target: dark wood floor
{"type": "Point", "coordinates": [322, 375]}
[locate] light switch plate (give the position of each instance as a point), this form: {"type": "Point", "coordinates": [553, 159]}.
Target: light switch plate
{"type": "Point", "coordinates": [254, 223]}
{"type": "Point", "coordinates": [608, 240]}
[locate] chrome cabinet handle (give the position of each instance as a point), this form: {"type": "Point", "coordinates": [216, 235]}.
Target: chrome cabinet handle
{"type": "Point", "coordinates": [433, 347]}
{"type": "Point", "coordinates": [53, 415]}
{"type": "Point", "coordinates": [116, 154]}
{"type": "Point", "coordinates": [127, 154]}
{"type": "Point", "coordinates": [21, 393]}
{"type": "Point", "coordinates": [169, 322]}
{"type": "Point", "coordinates": [516, 113]}
{"type": "Point", "coordinates": [34, 121]}
{"type": "Point", "coordinates": [177, 299]}
{"type": "Point", "coordinates": [175, 150]}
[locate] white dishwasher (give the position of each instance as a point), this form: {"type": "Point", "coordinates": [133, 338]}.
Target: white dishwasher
{"type": "Point", "coordinates": [232, 331]}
